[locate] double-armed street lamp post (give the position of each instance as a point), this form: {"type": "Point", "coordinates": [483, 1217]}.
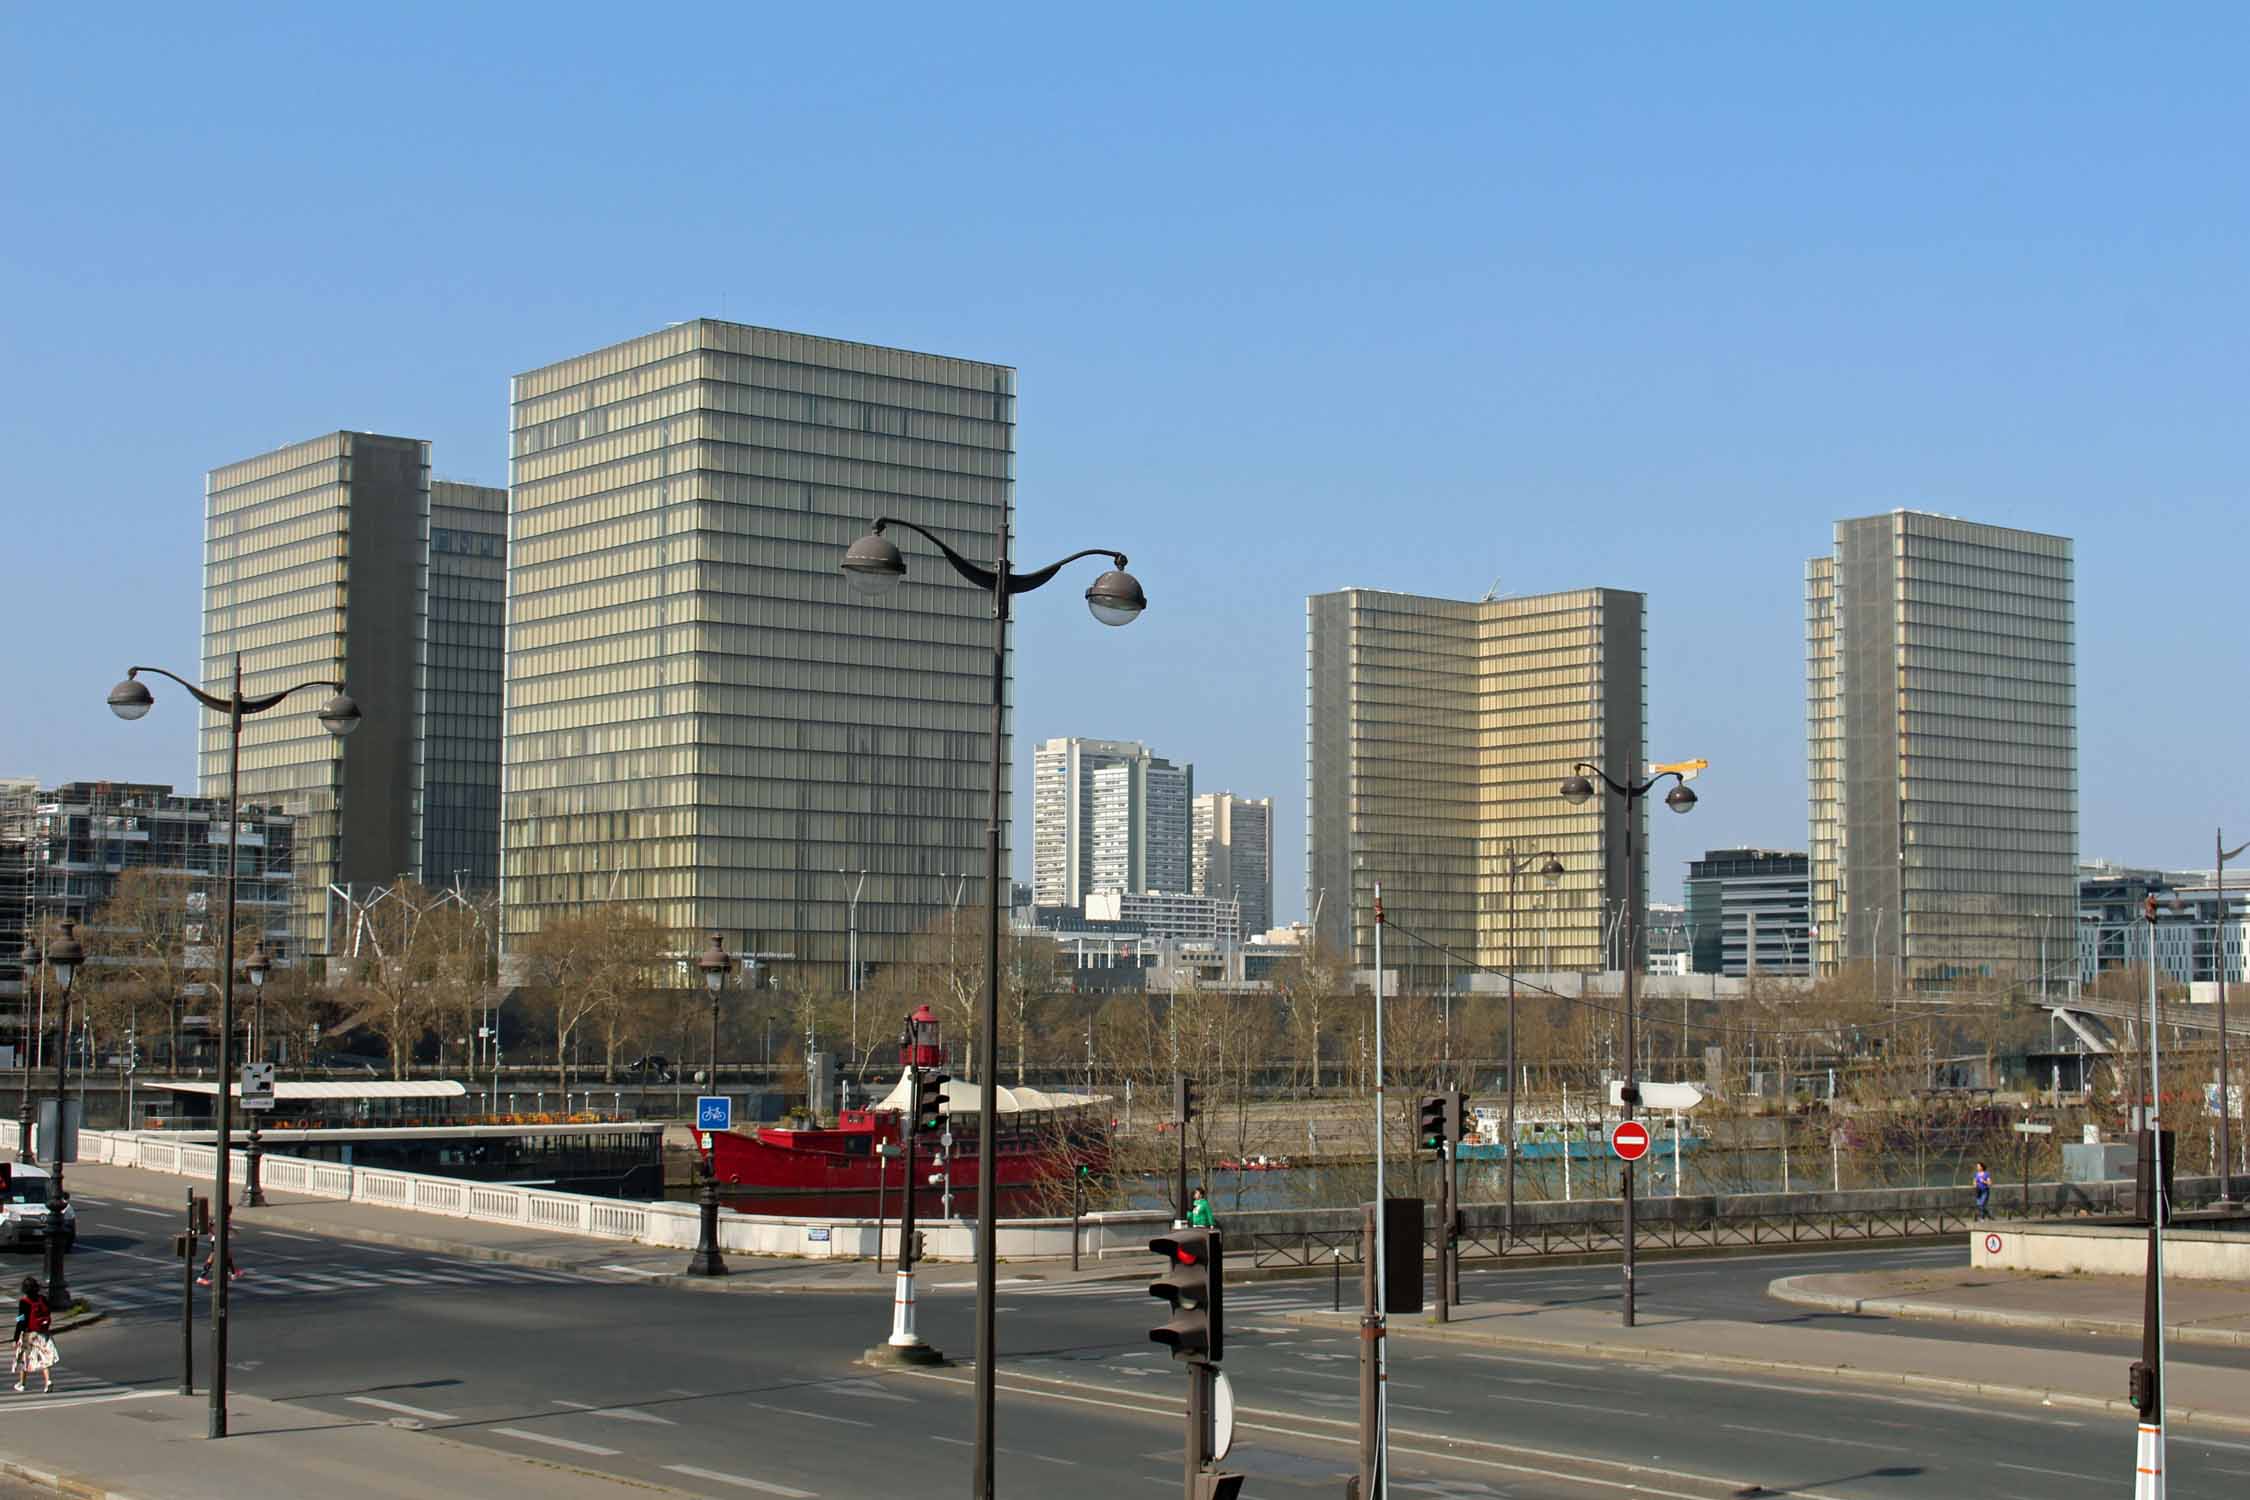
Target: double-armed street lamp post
{"type": "Point", "coordinates": [64, 958]}
{"type": "Point", "coordinates": [873, 565]}
{"type": "Point", "coordinates": [716, 963]}
{"type": "Point", "coordinates": [1550, 872]}
{"type": "Point", "coordinates": [131, 699]}
{"type": "Point", "coordinates": [1576, 791]}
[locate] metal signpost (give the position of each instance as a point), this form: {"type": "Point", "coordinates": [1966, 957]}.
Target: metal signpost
{"type": "Point", "coordinates": [2025, 1130]}
{"type": "Point", "coordinates": [714, 1112]}
{"type": "Point", "coordinates": [1629, 1140]}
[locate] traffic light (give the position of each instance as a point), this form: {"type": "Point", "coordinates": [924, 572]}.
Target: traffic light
{"type": "Point", "coordinates": [2140, 1387]}
{"type": "Point", "coordinates": [1218, 1486]}
{"type": "Point", "coordinates": [929, 1097]}
{"type": "Point", "coordinates": [1194, 1283]}
{"type": "Point", "coordinates": [1460, 1117]}
{"type": "Point", "coordinates": [1430, 1124]}
{"type": "Point", "coordinates": [915, 1244]}
{"type": "Point", "coordinates": [1183, 1100]}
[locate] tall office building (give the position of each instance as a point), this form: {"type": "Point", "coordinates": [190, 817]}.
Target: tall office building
{"type": "Point", "coordinates": [1749, 910]}
{"type": "Point", "coordinates": [317, 562]}
{"type": "Point", "coordinates": [1438, 733]}
{"type": "Point", "coordinates": [1232, 850]}
{"type": "Point", "coordinates": [701, 718]}
{"type": "Point", "coordinates": [1107, 815]}
{"type": "Point", "coordinates": [1941, 748]}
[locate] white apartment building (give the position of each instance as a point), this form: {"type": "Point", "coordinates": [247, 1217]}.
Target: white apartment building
{"type": "Point", "coordinates": [1231, 853]}
{"type": "Point", "coordinates": [1107, 815]}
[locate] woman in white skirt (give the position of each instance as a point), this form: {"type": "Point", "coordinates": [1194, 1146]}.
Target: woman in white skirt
{"type": "Point", "coordinates": [35, 1344]}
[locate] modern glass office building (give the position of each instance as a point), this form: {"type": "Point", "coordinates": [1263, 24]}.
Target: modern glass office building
{"type": "Point", "coordinates": [1942, 748]}
{"type": "Point", "coordinates": [316, 563]}
{"type": "Point", "coordinates": [1438, 734]}
{"type": "Point", "coordinates": [701, 718]}
{"type": "Point", "coordinates": [461, 678]}
{"type": "Point", "coordinates": [1232, 854]}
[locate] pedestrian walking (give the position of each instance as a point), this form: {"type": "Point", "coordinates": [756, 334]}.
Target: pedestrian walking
{"type": "Point", "coordinates": [1984, 1192]}
{"type": "Point", "coordinates": [35, 1344]}
{"type": "Point", "coordinates": [1199, 1212]}
{"type": "Point", "coordinates": [234, 1272]}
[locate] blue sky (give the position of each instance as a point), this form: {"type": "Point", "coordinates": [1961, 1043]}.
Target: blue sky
{"type": "Point", "coordinates": [1407, 297]}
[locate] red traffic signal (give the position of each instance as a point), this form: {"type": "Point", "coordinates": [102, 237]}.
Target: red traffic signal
{"type": "Point", "coordinates": [1194, 1283]}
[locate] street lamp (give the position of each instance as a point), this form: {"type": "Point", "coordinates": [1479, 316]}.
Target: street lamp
{"type": "Point", "coordinates": [257, 968]}
{"type": "Point", "coordinates": [130, 699]}
{"type": "Point", "coordinates": [1551, 872]}
{"type": "Point", "coordinates": [716, 963]}
{"type": "Point", "coordinates": [873, 566]}
{"type": "Point", "coordinates": [1576, 790]}
{"type": "Point", "coordinates": [64, 958]}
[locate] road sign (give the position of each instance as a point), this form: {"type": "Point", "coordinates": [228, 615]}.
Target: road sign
{"type": "Point", "coordinates": [257, 1085]}
{"type": "Point", "coordinates": [714, 1112]}
{"type": "Point", "coordinates": [1992, 1244]}
{"type": "Point", "coordinates": [2025, 1127]}
{"type": "Point", "coordinates": [1222, 1417]}
{"type": "Point", "coordinates": [1629, 1139]}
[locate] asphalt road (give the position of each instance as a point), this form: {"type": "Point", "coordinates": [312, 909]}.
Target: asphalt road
{"type": "Point", "coordinates": [751, 1394]}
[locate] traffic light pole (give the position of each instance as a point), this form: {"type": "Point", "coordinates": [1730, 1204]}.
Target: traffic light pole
{"type": "Point", "coordinates": [1445, 1232]}
{"type": "Point", "coordinates": [905, 1345]}
{"type": "Point", "coordinates": [1198, 1426]}
{"type": "Point", "coordinates": [1183, 1108]}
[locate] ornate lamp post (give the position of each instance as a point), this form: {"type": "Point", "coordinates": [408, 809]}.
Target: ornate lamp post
{"type": "Point", "coordinates": [131, 699]}
{"type": "Point", "coordinates": [257, 968]}
{"type": "Point", "coordinates": [716, 963]}
{"type": "Point", "coordinates": [1576, 791]}
{"type": "Point", "coordinates": [873, 566]}
{"type": "Point", "coordinates": [64, 958]}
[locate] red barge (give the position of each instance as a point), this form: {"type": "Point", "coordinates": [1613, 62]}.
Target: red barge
{"type": "Point", "coordinates": [843, 1169]}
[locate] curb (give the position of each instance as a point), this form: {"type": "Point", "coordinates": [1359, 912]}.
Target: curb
{"type": "Point", "coordinates": [61, 1484]}
{"type": "Point", "coordinates": [1787, 1289]}
{"type": "Point", "coordinates": [1855, 1373]}
{"type": "Point", "coordinates": [83, 1320]}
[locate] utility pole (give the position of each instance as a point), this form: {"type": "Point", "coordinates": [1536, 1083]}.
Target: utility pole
{"type": "Point", "coordinates": [2219, 963]}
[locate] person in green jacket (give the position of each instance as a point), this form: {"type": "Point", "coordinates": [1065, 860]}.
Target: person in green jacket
{"type": "Point", "coordinates": [1199, 1212]}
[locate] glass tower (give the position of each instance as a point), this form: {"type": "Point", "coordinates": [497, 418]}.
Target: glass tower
{"type": "Point", "coordinates": [701, 718]}
{"type": "Point", "coordinates": [315, 565]}
{"type": "Point", "coordinates": [1438, 734]}
{"type": "Point", "coordinates": [1232, 854]}
{"type": "Point", "coordinates": [1942, 748]}
{"type": "Point", "coordinates": [461, 672]}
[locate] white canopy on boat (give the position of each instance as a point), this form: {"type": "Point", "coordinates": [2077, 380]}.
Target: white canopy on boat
{"type": "Point", "coordinates": [967, 1099]}
{"type": "Point", "coordinates": [371, 1088]}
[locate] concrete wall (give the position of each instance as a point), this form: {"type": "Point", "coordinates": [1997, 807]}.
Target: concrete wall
{"type": "Point", "coordinates": [2109, 1250]}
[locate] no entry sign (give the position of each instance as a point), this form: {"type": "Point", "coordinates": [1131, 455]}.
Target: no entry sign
{"type": "Point", "coordinates": [1629, 1139]}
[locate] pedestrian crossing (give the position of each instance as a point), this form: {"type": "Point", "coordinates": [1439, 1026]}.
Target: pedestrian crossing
{"type": "Point", "coordinates": [160, 1292]}
{"type": "Point", "coordinates": [73, 1387]}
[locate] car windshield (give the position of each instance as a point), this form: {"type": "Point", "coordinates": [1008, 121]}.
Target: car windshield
{"type": "Point", "coordinates": [28, 1192]}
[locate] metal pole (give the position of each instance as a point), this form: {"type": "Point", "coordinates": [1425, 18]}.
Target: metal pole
{"type": "Point", "coordinates": [1077, 1209]}
{"type": "Point", "coordinates": [988, 1039]}
{"type": "Point", "coordinates": [2148, 1477]}
{"type": "Point", "coordinates": [1632, 926]}
{"type": "Point", "coordinates": [1445, 1227]}
{"type": "Point", "coordinates": [2219, 962]}
{"type": "Point", "coordinates": [1381, 1487]}
{"type": "Point", "coordinates": [222, 1190]}
{"type": "Point", "coordinates": [187, 1301]}
{"type": "Point", "coordinates": [58, 1275]}
{"type": "Point", "coordinates": [1508, 1237]}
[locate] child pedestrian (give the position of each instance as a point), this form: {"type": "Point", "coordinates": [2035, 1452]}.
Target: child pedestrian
{"type": "Point", "coordinates": [35, 1345]}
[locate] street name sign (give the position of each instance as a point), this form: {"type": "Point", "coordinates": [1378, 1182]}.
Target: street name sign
{"type": "Point", "coordinates": [257, 1085]}
{"type": "Point", "coordinates": [1629, 1139]}
{"type": "Point", "coordinates": [714, 1112]}
{"type": "Point", "coordinates": [2025, 1127]}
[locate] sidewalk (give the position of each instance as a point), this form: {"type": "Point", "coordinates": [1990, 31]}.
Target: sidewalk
{"type": "Point", "coordinates": [471, 1239]}
{"type": "Point", "coordinates": [2089, 1381]}
{"type": "Point", "coordinates": [2195, 1312]}
{"type": "Point", "coordinates": [274, 1452]}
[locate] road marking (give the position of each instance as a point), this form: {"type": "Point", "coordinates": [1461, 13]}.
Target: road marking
{"type": "Point", "coordinates": [400, 1406]}
{"type": "Point", "coordinates": [760, 1485]}
{"type": "Point", "coordinates": [1594, 1406]}
{"type": "Point", "coordinates": [617, 1413]}
{"type": "Point", "coordinates": [152, 1213]}
{"type": "Point", "coordinates": [2181, 1437]}
{"type": "Point", "coordinates": [817, 1416]}
{"type": "Point", "coordinates": [279, 1235]}
{"type": "Point", "coordinates": [635, 1270]}
{"type": "Point", "coordinates": [2058, 1473]}
{"type": "Point", "coordinates": [78, 1197]}
{"type": "Point", "coordinates": [1811, 1437]}
{"type": "Point", "coordinates": [1068, 1463]}
{"type": "Point", "coordinates": [954, 1286]}
{"type": "Point", "coordinates": [381, 1249]}
{"type": "Point", "coordinates": [38, 1401]}
{"type": "Point", "coordinates": [555, 1442]}
{"type": "Point", "coordinates": [1551, 1364]}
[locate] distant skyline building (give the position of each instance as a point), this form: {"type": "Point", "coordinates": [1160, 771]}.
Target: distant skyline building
{"type": "Point", "coordinates": [318, 563]}
{"type": "Point", "coordinates": [1107, 815]}
{"type": "Point", "coordinates": [1231, 848]}
{"type": "Point", "coordinates": [1749, 909]}
{"type": "Point", "coordinates": [1941, 748]}
{"type": "Point", "coordinates": [701, 718]}
{"type": "Point", "coordinates": [1438, 733]}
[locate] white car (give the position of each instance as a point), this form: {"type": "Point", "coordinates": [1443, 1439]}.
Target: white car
{"type": "Point", "coordinates": [23, 1209]}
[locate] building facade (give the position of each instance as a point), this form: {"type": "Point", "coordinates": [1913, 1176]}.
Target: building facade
{"type": "Point", "coordinates": [701, 719]}
{"type": "Point", "coordinates": [1749, 911]}
{"type": "Point", "coordinates": [1941, 748]}
{"type": "Point", "coordinates": [2202, 930]}
{"type": "Point", "coordinates": [1141, 826]}
{"type": "Point", "coordinates": [317, 562]}
{"type": "Point", "coordinates": [1173, 917]}
{"type": "Point", "coordinates": [64, 849]}
{"type": "Point", "coordinates": [1438, 732]}
{"type": "Point", "coordinates": [1231, 850]}
{"type": "Point", "coordinates": [1107, 815]}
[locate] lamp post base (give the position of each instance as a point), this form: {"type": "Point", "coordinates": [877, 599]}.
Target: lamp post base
{"type": "Point", "coordinates": [24, 1153]}
{"type": "Point", "coordinates": [905, 1346]}
{"type": "Point", "coordinates": [254, 1191]}
{"type": "Point", "coordinates": [2148, 1463]}
{"type": "Point", "coordinates": [705, 1260]}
